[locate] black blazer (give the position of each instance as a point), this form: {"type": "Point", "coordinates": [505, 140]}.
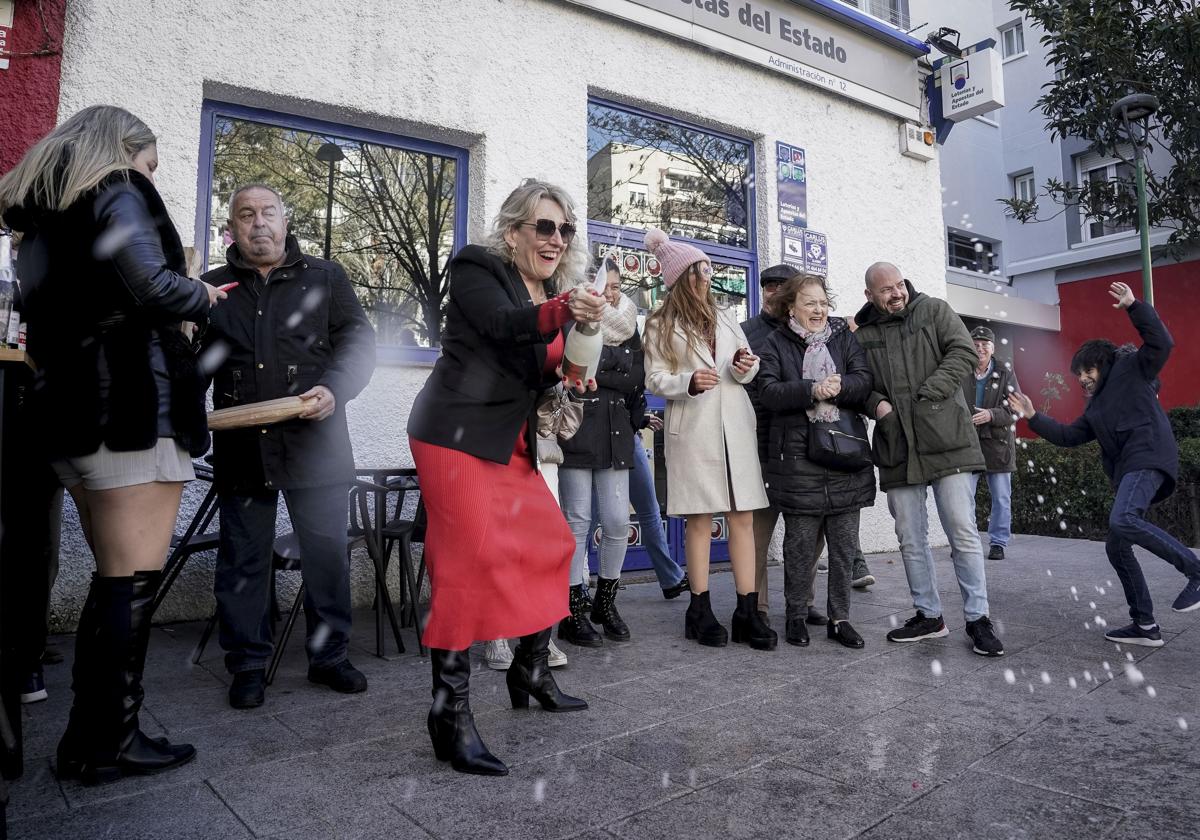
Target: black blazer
{"type": "Point", "coordinates": [487, 381]}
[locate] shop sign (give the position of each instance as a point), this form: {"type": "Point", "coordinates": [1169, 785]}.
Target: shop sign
{"type": "Point", "coordinates": [791, 40]}
{"type": "Point", "coordinates": [816, 253]}
{"type": "Point", "coordinates": [793, 185]}
{"type": "Point", "coordinates": [972, 86]}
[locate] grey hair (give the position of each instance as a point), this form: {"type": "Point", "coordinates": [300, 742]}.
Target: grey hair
{"type": "Point", "coordinates": [519, 207]}
{"type": "Point", "coordinates": [75, 157]}
{"type": "Point", "coordinates": [255, 185]}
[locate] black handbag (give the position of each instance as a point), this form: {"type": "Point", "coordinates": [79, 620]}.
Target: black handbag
{"type": "Point", "coordinates": [839, 444]}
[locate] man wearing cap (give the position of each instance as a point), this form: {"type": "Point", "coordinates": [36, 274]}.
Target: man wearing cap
{"type": "Point", "coordinates": [986, 391]}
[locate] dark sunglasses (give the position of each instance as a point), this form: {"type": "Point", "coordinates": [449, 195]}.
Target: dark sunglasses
{"type": "Point", "coordinates": [544, 228]}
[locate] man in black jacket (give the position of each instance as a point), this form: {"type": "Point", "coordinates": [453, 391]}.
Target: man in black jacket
{"type": "Point", "coordinates": [986, 390]}
{"type": "Point", "coordinates": [1139, 453]}
{"type": "Point", "coordinates": [292, 327]}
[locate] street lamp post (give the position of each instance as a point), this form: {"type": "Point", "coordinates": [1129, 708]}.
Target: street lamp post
{"type": "Point", "coordinates": [1137, 108]}
{"type": "Point", "coordinates": [329, 153]}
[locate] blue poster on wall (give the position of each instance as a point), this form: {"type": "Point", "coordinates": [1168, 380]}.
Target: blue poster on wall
{"type": "Point", "coordinates": [793, 185]}
{"type": "Point", "coordinates": [793, 245]}
{"type": "Point", "coordinates": [816, 253]}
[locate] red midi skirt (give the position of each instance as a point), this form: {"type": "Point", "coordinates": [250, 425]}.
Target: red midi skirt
{"type": "Point", "coordinates": [497, 547]}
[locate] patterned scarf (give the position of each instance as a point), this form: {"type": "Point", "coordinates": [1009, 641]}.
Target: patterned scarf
{"type": "Point", "coordinates": [618, 322]}
{"type": "Point", "coordinates": [818, 364]}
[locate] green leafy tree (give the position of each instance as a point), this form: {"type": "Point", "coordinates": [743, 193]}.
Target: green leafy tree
{"type": "Point", "coordinates": [1103, 50]}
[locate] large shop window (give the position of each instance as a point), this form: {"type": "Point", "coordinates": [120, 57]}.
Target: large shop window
{"type": "Point", "coordinates": [644, 171]}
{"type": "Point", "coordinates": [393, 209]}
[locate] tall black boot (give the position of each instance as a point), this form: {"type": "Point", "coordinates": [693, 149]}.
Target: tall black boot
{"type": "Point", "coordinates": [73, 748]}
{"type": "Point", "coordinates": [451, 724]}
{"type": "Point", "coordinates": [117, 747]}
{"type": "Point", "coordinates": [700, 624]}
{"type": "Point", "coordinates": [576, 628]}
{"type": "Point", "coordinates": [748, 624]}
{"type": "Point", "coordinates": [604, 610]}
{"type": "Point", "coordinates": [530, 674]}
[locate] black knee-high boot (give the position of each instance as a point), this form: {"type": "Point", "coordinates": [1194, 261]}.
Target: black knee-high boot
{"type": "Point", "coordinates": [451, 724]}
{"type": "Point", "coordinates": [530, 674]}
{"type": "Point", "coordinates": [73, 748]}
{"type": "Point", "coordinates": [115, 745]}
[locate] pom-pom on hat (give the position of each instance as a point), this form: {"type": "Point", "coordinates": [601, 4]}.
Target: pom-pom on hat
{"type": "Point", "coordinates": [673, 257]}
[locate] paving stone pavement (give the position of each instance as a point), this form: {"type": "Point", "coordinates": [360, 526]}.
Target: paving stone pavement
{"type": "Point", "coordinates": [1067, 736]}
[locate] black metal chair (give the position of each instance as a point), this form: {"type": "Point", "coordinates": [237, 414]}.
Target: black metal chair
{"type": "Point", "coordinates": [385, 532]}
{"type": "Point", "coordinates": [195, 539]}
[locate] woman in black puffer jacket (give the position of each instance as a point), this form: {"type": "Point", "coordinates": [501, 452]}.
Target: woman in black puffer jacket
{"type": "Point", "coordinates": [118, 401]}
{"type": "Point", "coordinates": [813, 369]}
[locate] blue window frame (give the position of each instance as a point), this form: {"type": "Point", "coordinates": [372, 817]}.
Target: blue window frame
{"type": "Point", "coordinates": [401, 308]}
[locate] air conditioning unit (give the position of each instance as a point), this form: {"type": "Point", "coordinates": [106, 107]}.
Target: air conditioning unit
{"type": "Point", "coordinates": [916, 141]}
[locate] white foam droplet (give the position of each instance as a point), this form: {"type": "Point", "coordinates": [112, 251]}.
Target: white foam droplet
{"type": "Point", "coordinates": [1009, 676]}
{"type": "Point", "coordinates": [1150, 692]}
{"type": "Point", "coordinates": [1183, 724]}
{"type": "Point", "coordinates": [539, 790]}
{"type": "Point", "coordinates": [936, 667]}
{"type": "Point", "coordinates": [1045, 678]}
{"type": "Point", "coordinates": [1134, 674]}
{"type": "Point", "coordinates": [1071, 682]}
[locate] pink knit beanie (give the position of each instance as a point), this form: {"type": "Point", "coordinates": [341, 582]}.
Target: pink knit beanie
{"type": "Point", "coordinates": [673, 257]}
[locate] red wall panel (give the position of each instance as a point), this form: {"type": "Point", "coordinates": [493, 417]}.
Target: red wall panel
{"type": "Point", "coordinates": [29, 87]}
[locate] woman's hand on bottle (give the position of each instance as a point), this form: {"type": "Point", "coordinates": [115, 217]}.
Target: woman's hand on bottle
{"type": "Point", "coordinates": [586, 305]}
{"type": "Point", "coordinates": [214, 294]}
{"type": "Point", "coordinates": [703, 379]}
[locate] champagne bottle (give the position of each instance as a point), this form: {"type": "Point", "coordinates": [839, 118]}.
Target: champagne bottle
{"type": "Point", "coordinates": [581, 356]}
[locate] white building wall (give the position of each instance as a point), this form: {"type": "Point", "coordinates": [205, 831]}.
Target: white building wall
{"type": "Point", "coordinates": [510, 82]}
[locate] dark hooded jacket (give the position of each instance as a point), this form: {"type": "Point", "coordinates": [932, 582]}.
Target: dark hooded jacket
{"type": "Point", "coordinates": [303, 326]}
{"type": "Point", "coordinates": [1124, 414]}
{"type": "Point", "coordinates": [605, 438]}
{"type": "Point", "coordinates": [758, 329]}
{"type": "Point", "coordinates": [919, 358]}
{"type": "Point", "coordinates": [104, 291]}
{"type": "Point", "coordinates": [794, 483]}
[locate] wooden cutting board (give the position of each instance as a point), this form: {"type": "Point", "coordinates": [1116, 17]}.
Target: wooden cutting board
{"type": "Point", "coordinates": [255, 414]}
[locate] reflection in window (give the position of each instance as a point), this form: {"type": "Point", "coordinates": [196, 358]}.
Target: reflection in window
{"type": "Point", "coordinates": [392, 224]}
{"type": "Point", "coordinates": [1113, 185]}
{"type": "Point", "coordinates": [972, 253]}
{"type": "Point", "coordinates": [641, 280]}
{"type": "Point", "coordinates": [648, 172]}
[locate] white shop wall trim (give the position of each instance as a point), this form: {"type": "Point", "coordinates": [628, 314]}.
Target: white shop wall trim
{"type": "Point", "coordinates": [509, 82]}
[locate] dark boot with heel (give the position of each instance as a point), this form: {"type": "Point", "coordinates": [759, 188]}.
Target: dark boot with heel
{"type": "Point", "coordinates": [749, 627]}
{"type": "Point", "coordinates": [700, 624]}
{"type": "Point", "coordinates": [604, 610]}
{"type": "Point", "coordinates": [451, 724]}
{"type": "Point", "coordinates": [113, 744]}
{"type": "Point", "coordinates": [576, 628]}
{"type": "Point", "coordinates": [529, 675]}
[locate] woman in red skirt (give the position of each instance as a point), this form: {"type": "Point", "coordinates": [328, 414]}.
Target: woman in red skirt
{"type": "Point", "coordinates": [497, 546]}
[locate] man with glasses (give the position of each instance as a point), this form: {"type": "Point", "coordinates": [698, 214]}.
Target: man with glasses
{"type": "Point", "coordinates": [920, 353]}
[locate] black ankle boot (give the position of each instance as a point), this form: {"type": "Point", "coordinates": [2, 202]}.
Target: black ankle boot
{"type": "Point", "coordinates": [748, 625]}
{"type": "Point", "coordinates": [841, 631]}
{"type": "Point", "coordinates": [604, 610]}
{"type": "Point", "coordinates": [116, 746]}
{"type": "Point", "coordinates": [529, 674]}
{"type": "Point", "coordinates": [576, 628]}
{"type": "Point", "coordinates": [700, 624]}
{"type": "Point", "coordinates": [451, 724]}
{"type": "Point", "coordinates": [796, 632]}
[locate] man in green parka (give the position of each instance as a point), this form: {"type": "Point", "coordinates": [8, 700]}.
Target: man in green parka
{"type": "Point", "coordinates": [920, 353]}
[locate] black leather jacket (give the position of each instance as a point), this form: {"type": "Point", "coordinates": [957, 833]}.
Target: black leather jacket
{"type": "Point", "coordinates": [102, 285]}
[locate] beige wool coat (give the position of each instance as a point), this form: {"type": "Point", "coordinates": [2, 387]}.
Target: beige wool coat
{"type": "Point", "coordinates": [711, 445]}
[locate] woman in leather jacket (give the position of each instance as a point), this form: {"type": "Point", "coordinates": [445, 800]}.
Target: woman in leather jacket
{"type": "Point", "coordinates": [118, 401]}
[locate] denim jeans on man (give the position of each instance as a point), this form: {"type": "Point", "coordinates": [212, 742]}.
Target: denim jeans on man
{"type": "Point", "coordinates": [577, 488]}
{"type": "Point", "coordinates": [956, 510]}
{"type": "Point", "coordinates": [1000, 519]}
{"type": "Point", "coordinates": [1127, 527]}
{"type": "Point", "coordinates": [644, 500]}
{"type": "Point", "coordinates": [243, 574]}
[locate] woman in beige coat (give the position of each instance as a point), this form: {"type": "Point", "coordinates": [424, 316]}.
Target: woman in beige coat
{"type": "Point", "coordinates": [698, 359]}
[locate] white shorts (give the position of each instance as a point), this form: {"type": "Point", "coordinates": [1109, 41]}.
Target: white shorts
{"type": "Point", "coordinates": [107, 470]}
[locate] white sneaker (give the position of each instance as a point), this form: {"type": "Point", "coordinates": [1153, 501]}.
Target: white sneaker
{"type": "Point", "coordinates": [498, 655]}
{"type": "Point", "coordinates": [558, 659]}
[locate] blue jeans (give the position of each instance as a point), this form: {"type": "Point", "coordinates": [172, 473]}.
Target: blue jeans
{"type": "Point", "coordinates": [242, 584]}
{"type": "Point", "coordinates": [610, 489]}
{"type": "Point", "coordinates": [1000, 519]}
{"type": "Point", "coordinates": [649, 517]}
{"type": "Point", "coordinates": [956, 510]}
{"type": "Point", "coordinates": [1127, 527]}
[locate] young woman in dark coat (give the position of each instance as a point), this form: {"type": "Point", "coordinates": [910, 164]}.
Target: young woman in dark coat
{"type": "Point", "coordinates": [814, 370]}
{"type": "Point", "coordinates": [118, 401]}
